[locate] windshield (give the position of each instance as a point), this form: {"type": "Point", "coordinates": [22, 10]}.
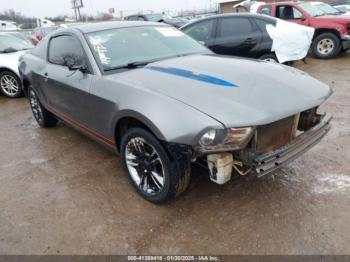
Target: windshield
{"type": "Point", "coordinates": [9, 44]}
{"type": "Point", "coordinates": [329, 10]}
{"type": "Point", "coordinates": [312, 9]}
{"type": "Point", "coordinates": [120, 47]}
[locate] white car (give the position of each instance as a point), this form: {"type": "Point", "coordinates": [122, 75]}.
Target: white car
{"type": "Point", "coordinates": [344, 8]}
{"type": "Point", "coordinates": [11, 48]}
{"type": "Point", "coordinates": [8, 25]}
{"type": "Point", "coordinates": [328, 9]}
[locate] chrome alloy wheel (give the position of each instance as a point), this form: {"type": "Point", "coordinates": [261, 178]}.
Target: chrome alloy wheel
{"type": "Point", "coordinates": [36, 107]}
{"type": "Point", "coordinates": [325, 46]}
{"type": "Point", "coordinates": [9, 85]}
{"type": "Point", "coordinates": [145, 166]}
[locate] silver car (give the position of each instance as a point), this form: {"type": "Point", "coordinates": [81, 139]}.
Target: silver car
{"type": "Point", "coordinates": [12, 46]}
{"type": "Point", "coordinates": [163, 101]}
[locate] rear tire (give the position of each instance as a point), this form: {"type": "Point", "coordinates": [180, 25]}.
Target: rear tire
{"type": "Point", "coordinates": [154, 176]}
{"type": "Point", "coordinates": [10, 84]}
{"type": "Point", "coordinates": [43, 117]}
{"type": "Point", "coordinates": [325, 46]}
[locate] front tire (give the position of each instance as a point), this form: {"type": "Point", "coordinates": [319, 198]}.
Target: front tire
{"type": "Point", "coordinates": [269, 58]}
{"type": "Point", "coordinates": [154, 176]}
{"type": "Point", "coordinates": [326, 45]}
{"type": "Point", "coordinates": [10, 85]}
{"type": "Point", "coordinates": [43, 117]}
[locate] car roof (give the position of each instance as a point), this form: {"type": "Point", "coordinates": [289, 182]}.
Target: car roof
{"type": "Point", "coordinates": [94, 27]}
{"type": "Point", "coordinates": [251, 15]}
{"type": "Point", "coordinates": [284, 3]}
{"type": "Point", "coordinates": [145, 14]}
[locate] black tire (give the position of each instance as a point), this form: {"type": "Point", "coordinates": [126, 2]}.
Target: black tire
{"type": "Point", "coordinates": [331, 46]}
{"type": "Point", "coordinates": [5, 77]}
{"type": "Point", "coordinates": [176, 174]}
{"type": "Point", "coordinates": [269, 58]}
{"type": "Point", "coordinates": [43, 117]}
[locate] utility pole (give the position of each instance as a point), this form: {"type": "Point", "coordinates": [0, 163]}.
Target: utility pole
{"type": "Point", "coordinates": [76, 5]}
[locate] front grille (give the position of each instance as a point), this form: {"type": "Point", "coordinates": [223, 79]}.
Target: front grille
{"type": "Point", "coordinates": [275, 135]}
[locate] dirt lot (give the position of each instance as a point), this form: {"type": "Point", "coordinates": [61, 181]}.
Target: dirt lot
{"type": "Point", "coordinates": [62, 193]}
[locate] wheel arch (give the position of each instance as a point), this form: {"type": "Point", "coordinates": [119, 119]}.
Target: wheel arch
{"type": "Point", "coordinates": [129, 119]}
{"type": "Point", "coordinates": [319, 31]}
{"type": "Point", "coordinates": [3, 68]}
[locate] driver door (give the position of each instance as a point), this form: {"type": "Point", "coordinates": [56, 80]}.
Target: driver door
{"type": "Point", "coordinates": [67, 92]}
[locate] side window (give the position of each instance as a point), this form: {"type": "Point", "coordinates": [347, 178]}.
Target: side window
{"type": "Point", "coordinates": [297, 14]}
{"type": "Point", "coordinates": [234, 27]}
{"type": "Point", "coordinates": [132, 18]}
{"type": "Point", "coordinates": [288, 13]}
{"type": "Point", "coordinates": [201, 31]}
{"type": "Point", "coordinates": [266, 10]}
{"type": "Point", "coordinates": [65, 50]}
{"type": "Point", "coordinates": [141, 18]}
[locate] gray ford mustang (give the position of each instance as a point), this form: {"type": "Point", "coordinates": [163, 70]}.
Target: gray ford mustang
{"type": "Point", "coordinates": [162, 101]}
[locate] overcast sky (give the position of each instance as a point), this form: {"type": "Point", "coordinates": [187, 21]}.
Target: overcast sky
{"type": "Point", "coordinates": [41, 8]}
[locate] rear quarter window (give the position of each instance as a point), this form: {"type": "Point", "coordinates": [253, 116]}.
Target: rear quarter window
{"type": "Point", "coordinates": [263, 23]}
{"type": "Point", "coordinates": [201, 31]}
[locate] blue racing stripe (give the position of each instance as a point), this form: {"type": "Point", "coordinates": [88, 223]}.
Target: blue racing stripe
{"type": "Point", "coordinates": [191, 75]}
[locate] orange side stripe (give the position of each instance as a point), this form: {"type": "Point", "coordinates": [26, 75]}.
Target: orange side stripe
{"type": "Point", "coordinates": [80, 126]}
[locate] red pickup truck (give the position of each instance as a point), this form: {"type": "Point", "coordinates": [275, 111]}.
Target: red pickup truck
{"type": "Point", "coordinates": [332, 34]}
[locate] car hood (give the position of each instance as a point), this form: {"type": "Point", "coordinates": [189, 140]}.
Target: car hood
{"type": "Point", "coordinates": [10, 60]}
{"type": "Point", "coordinates": [342, 19]}
{"type": "Point", "coordinates": [236, 92]}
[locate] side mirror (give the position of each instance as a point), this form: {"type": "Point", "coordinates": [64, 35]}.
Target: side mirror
{"type": "Point", "coordinates": [74, 63]}
{"type": "Point", "coordinates": [82, 68]}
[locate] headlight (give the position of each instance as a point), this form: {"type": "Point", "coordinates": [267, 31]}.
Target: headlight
{"type": "Point", "coordinates": [225, 139]}
{"type": "Point", "coordinates": [208, 138]}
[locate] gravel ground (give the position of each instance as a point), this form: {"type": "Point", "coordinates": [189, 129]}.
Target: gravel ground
{"type": "Point", "coordinates": [61, 193]}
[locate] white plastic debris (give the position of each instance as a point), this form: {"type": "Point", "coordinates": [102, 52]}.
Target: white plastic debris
{"type": "Point", "coordinates": [250, 5]}
{"type": "Point", "coordinates": [291, 41]}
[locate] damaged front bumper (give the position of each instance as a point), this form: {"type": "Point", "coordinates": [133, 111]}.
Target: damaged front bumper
{"type": "Point", "coordinates": [264, 164]}
{"type": "Point", "coordinates": [345, 42]}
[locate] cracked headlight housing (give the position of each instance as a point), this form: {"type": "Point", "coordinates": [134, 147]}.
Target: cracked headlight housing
{"type": "Point", "coordinates": [219, 140]}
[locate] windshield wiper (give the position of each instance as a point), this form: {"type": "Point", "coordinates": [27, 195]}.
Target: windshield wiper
{"type": "Point", "coordinates": [9, 50]}
{"type": "Point", "coordinates": [131, 65]}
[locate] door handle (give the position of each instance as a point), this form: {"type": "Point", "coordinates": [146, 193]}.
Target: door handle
{"type": "Point", "coordinates": [250, 41]}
